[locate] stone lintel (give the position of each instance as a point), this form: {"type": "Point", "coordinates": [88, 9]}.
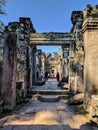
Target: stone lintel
{"type": "Point", "coordinates": [56, 39]}
{"type": "Point", "coordinates": [51, 35]}
{"type": "Point", "coordinates": [51, 38]}
{"type": "Point", "coordinates": [52, 43]}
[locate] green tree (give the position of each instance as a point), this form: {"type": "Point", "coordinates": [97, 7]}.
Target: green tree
{"type": "Point", "coordinates": [1, 26]}
{"type": "Point", "coordinates": [2, 5]}
{"type": "Point", "coordinates": [2, 12]}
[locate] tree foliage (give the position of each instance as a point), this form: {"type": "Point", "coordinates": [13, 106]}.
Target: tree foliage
{"type": "Point", "coordinates": [2, 5]}
{"type": "Point", "coordinates": [1, 26]}
{"type": "Point", "coordinates": [2, 11]}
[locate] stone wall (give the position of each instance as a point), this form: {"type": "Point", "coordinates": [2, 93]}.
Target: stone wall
{"type": "Point", "coordinates": [15, 83]}
{"type": "Point", "coordinates": [1, 58]}
{"type": "Point", "coordinates": [1, 61]}
{"type": "Point", "coordinates": [20, 55]}
{"type": "Point", "coordinates": [9, 71]}
{"type": "Point", "coordinates": [90, 34]}
{"type": "Point", "coordinates": [24, 54]}
{"type": "Point", "coordinates": [77, 61]}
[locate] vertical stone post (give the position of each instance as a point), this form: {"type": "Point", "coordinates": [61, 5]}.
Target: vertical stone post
{"type": "Point", "coordinates": [71, 69]}
{"type": "Point", "coordinates": [77, 20]}
{"type": "Point", "coordinates": [63, 63]}
{"type": "Point", "coordinates": [1, 59]}
{"type": "Point", "coordinates": [90, 35]}
{"type": "Point", "coordinates": [65, 60]}
{"type": "Point", "coordinates": [34, 64]}
{"type": "Point", "coordinates": [27, 69]}
{"type": "Point", "coordinates": [43, 60]}
{"type": "Point", "coordinates": [39, 53]}
{"type": "Point", "coordinates": [31, 64]}
{"type": "Point", "coordinates": [9, 71]}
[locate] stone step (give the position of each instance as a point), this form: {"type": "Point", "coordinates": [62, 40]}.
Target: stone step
{"type": "Point", "coordinates": [50, 98]}
{"type": "Point", "coordinates": [51, 92]}
{"type": "Point", "coordinates": [67, 96]}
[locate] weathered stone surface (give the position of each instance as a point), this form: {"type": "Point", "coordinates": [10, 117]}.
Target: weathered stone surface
{"type": "Point", "coordinates": [51, 38]}
{"type": "Point", "coordinates": [37, 115]}
{"type": "Point", "coordinates": [76, 99]}
{"type": "Point", "coordinates": [49, 98]}
{"type": "Point", "coordinates": [91, 12]}
{"type": "Point", "coordinates": [22, 30]}
{"type": "Point", "coordinates": [65, 86]}
{"type": "Point", "coordinates": [19, 92]}
{"type": "Point", "coordinates": [1, 105]}
{"type": "Point", "coordinates": [1, 52]}
{"type": "Point", "coordinates": [72, 59]}
{"type": "Point", "coordinates": [93, 108]}
{"type": "Point", "coordinates": [90, 34]}
{"type": "Point", "coordinates": [77, 62]}
{"type": "Point", "coordinates": [9, 71]}
{"type": "Point", "coordinates": [1, 61]}
{"type": "Point", "coordinates": [80, 85]}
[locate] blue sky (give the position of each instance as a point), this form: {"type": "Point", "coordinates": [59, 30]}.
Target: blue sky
{"type": "Point", "coordinates": [46, 15]}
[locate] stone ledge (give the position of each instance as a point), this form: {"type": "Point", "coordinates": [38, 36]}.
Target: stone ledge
{"type": "Point", "coordinates": [49, 98]}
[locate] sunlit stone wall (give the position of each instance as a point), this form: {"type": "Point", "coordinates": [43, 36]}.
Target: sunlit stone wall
{"type": "Point", "coordinates": [77, 60]}
{"type": "Point", "coordinates": [90, 34]}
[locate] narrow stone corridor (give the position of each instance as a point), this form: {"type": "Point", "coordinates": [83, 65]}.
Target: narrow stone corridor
{"type": "Point", "coordinates": [51, 84]}
{"type": "Point", "coordinates": [37, 115]}
{"type": "Point", "coordinates": [30, 96]}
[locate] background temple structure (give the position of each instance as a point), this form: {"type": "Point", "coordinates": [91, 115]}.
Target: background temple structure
{"type": "Point", "coordinates": [22, 63]}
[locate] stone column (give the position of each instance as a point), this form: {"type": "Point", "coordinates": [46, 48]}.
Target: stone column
{"type": "Point", "coordinates": [72, 68]}
{"type": "Point", "coordinates": [39, 63]}
{"type": "Point", "coordinates": [34, 64]}
{"type": "Point", "coordinates": [1, 59]}
{"type": "Point", "coordinates": [31, 64]}
{"type": "Point", "coordinates": [77, 20]}
{"type": "Point", "coordinates": [9, 71]}
{"type": "Point", "coordinates": [43, 61]}
{"type": "Point", "coordinates": [63, 66]}
{"type": "Point", "coordinates": [27, 69]}
{"type": "Point", "coordinates": [90, 35]}
{"type": "Point", "coordinates": [65, 60]}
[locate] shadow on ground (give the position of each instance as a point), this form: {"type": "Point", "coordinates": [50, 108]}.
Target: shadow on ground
{"type": "Point", "coordinates": [87, 126]}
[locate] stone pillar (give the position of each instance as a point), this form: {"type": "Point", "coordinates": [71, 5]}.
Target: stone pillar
{"type": "Point", "coordinates": [9, 71]}
{"type": "Point", "coordinates": [27, 74]}
{"type": "Point", "coordinates": [71, 69]}
{"type": "Point", "coordinates": [77, 20]}
{"type": "Point", "coordinates": [62, 63]}
{"type": "Point", "coordinates": [65, 60]}
{"type": "Point", "coordinates": [31, 64]}
{"type": "Point", "coordinates": [39, 63]}
{"type": "Point", "coordinates": [1, 59]}
{"type": "Point", "coordinates": [43, 61]}
{"type": "Point", "coordinates": [34, 64]}
{"type": "Point", "coordinates": [90, 35]}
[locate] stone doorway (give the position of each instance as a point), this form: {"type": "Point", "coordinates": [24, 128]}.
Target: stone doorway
{"type": "Point", "coordinates": [67, 43]}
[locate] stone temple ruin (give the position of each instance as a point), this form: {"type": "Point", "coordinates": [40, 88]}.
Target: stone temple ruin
{"type": "Point", "coordinates": [21, 63]}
